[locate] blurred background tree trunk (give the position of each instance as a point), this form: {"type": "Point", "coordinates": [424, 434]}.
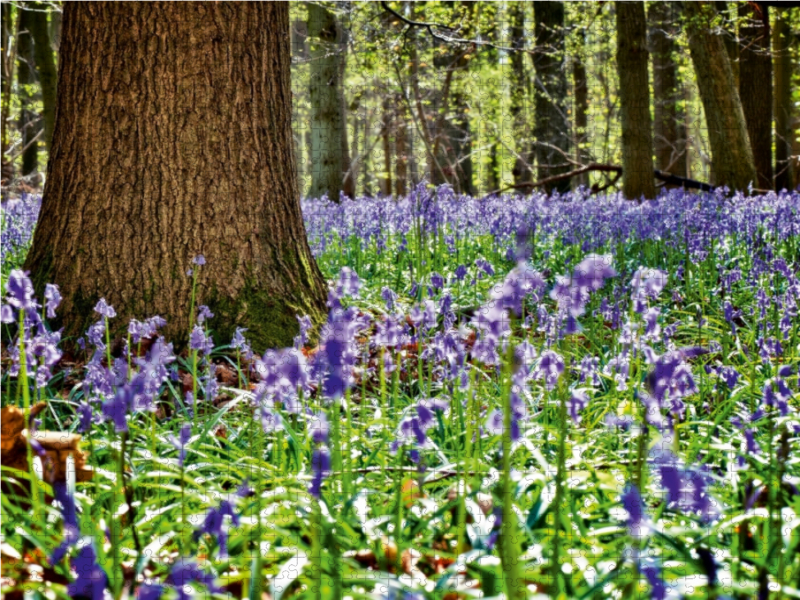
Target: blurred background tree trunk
{"type": "Point", "coordinates": [755, 87]}
{"type": "Point", "coordinates": [732, 155]}
{"type": "Point", "coordinates": [634, 93]}
{"type": "Point", "coordinates": [784, 69]}
{"type": "Point", "coordinates": [328, 125]}
{"type": "Point", "coordinates": [669, 133]}
{"type": "Point", "coordinates": [551, 129]}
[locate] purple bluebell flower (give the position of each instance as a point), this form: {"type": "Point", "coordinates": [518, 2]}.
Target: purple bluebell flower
{"type": "Point", "coordinates": [321, 468]}
{"type": "Point", "coordinates": [215, 526]}
{"type": "Point", "coordinates": [116, 409]}
{"type": "Point", "coordinates": [92, 580]}
{"type": "Point", "coordinates": [181, 441]}
{"type": "Point", "coordinates": [104, 309]}
{"type": "Point", "coordinates": [19, 291]}
{"type": "Point", "coordinates": [550, 367]}
{"type": "Point", "coordinates": [577, 402]}
{"type": "Point", "coordinates": [204, 313]}
{"type": "Point", "coordinates": [53, 297]}
{"type": "Point", "coordinates": [484, 266]}
{"type": "Point", "coordinates": [199, 260]}
{"type": "Point", "coordinates": [389, 297]}
{"type": "Point", "coordinates": [318, 428]}
{"type": "Point", "coordinates": [437, 281]}
{"type": "Point", "coordinates": [200, 341]}
{"type": "Point", "coordinates": [69, 515]}
{"type": "Point", "coordinates": [637, 521]}
{"type": "Point", "coordinates": [186, 571]}
{"type": "Point", "coordinates": [461, 272]}
{"type": "Point", "coordinates": [389, 333]}
{"type": "Point", "coordinates": [150, 591]}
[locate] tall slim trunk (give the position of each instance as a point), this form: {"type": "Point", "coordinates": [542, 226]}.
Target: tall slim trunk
{"type": "Point", "coordinates": [784, 69]}
{"type": "Point", "coordinates": [581, 102]}
{"type": "Point", "coordinates": [461, 139]}
{"type": "Point", "coordinates": [520, 94]}
{"type": "Point", "coordinates": [401, 148]}
{"type": "Point", "coordinates": [155, 161]}
{"type": "Point", "coordinates": [732, 155]}
{"type": "Point", "coordinates": [9, 50]}
{"type": "Point", "coordinates": [26, 79]}
{"type": "Point", "coordinates": [386, 138]}
{"type": "Point", "coordinates": [755, 87]}
{"type": "Point", "coordinates": [45, 67]}
{"type": "Point", "coordinates": [669, 137]}
{"type": "Point", "coordinates": [728, 34]}
{"type": "Point", "coordinates": [634, 94]}
{"type": "Point", "coordinates": [326, 90]}
{"type": "Point", "coordinates": [551, 130]}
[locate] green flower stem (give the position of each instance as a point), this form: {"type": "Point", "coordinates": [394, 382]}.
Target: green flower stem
{"type": "Point", "coordinates": [26, 408]}
{"type": "Point", "coordinates": [515, 587]}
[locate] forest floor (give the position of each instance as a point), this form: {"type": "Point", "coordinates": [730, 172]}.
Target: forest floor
{"type": "Point", "coordinates": [589, 397]}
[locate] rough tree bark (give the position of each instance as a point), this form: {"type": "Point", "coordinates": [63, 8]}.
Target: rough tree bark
{"type": "Point", "coordinates": [551, 130]}
{"type": "Point", "coordinates": [328, 125]}
{"type": "Point", "coordinates": [26, 79]}
{"type": "Point", "coordinates": [784, 68]}
{"type": "Point", "coordinates": [669, 132]}
{"type": "Point", "coordinates": [755, 87]}
{"type": "Point", "coordinates": [727, 132]}
{"type": "Point", "coordinates": [172, 139]}
{"type": "Point", "coordinates": [520, 92]}
{"type": "Point", "coordinates": [45, 67]}
{"type": "Point", "coordinates": [634, 93]}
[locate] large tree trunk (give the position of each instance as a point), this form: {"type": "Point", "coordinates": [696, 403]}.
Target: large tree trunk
{"type": "Point", "coordinates": [520, 94]}
{"type": "Point", "coordinates": [727, 132]}
{"type": "Point", "coordinates": [551, 130]}
{"type": "Point", "coordinates": [173, 139]}
{"type": "Point", "coordinates": [45, 67]}
{"type": "Point", "coordinates": [784, 68]}
{"type": "Point", "coordinates": [669, 137]}
{"type": "Point", "coordinates": [634, 94]}
{"type": "Point", "coordinates": [26, 78]}
{"type": "Point", "coordinates": [326, 86]}
{"type": "Point", "coordinates": [727, 32]}
{"type": "Point", "coordinates": [7, 73]}
{"type": "Point", "coordinates": [755, 87]}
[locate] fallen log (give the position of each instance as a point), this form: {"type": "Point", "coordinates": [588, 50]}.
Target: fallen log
{"type": "Point", "coordinates": [666, 178]}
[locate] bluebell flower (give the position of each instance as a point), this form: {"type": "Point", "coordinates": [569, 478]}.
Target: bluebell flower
{"type": "Point", "coordinates": [199, 260]}
{"type": "Point", "coordinates": [318, 428]}
{"type": "Point", "coordinates": [186, 571]}
{"type": "Point", "coordinates": [104, 309]}
{"type": "Point", "coordinates": [550, 367]}
{"type": "Point", "coordinates": [69, 515]}
{"type": "Point", "coordinates": [91, 581]}
{"type": "Point", "coordinates": [200, 341]}
{"type": "Point", "coordinates": [53, 297]}
{"type": "Point", "coordinates": [215, 525]}
{"type": "Point", "coordinates": [150, 591]}
{"type": "Point", "coordinates": [180, 442]}
{"type": "Point", "coordinates": [577, 402]}
{"type": "Point", "coordinates": [19, 291]}
{"type": "Point", "coordinates": [637, 521]}
{"type": "Point", "coordinates": [320, 469]}
{"type": "Point", "coordinates": [204, 313]}
{"type": "Point", "coordinates": [116, 409]}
